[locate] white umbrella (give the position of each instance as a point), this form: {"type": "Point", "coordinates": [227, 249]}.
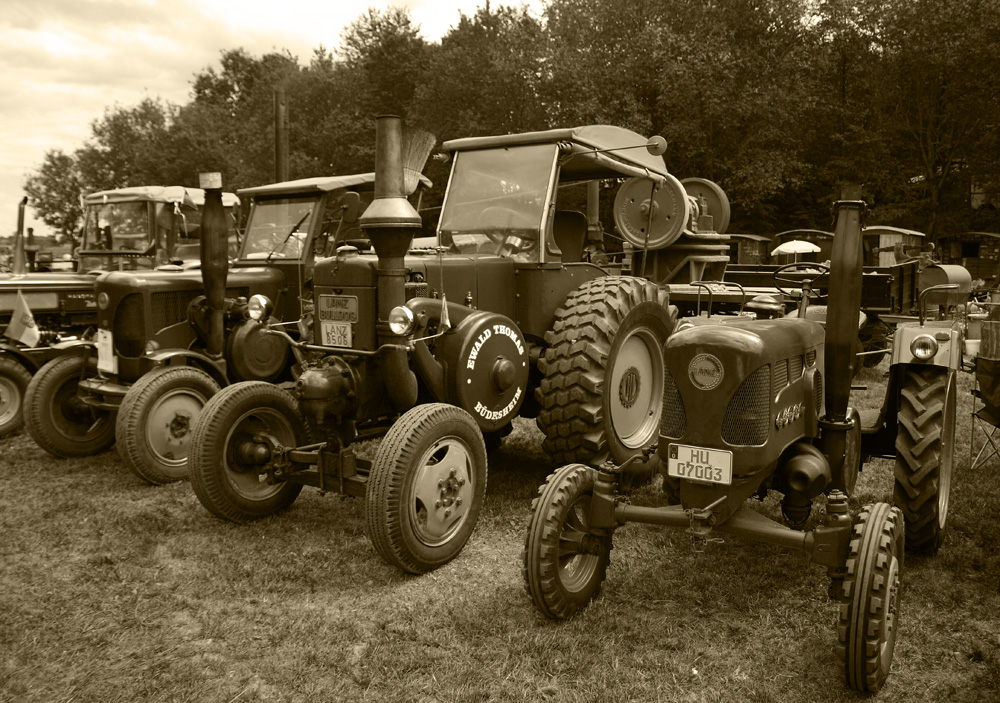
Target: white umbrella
{"type": "Point", "coordinates": [795, 246]}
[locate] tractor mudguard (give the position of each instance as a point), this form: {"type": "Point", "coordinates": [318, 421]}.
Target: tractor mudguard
{"type": "Point", "coordinates": [188, 357]}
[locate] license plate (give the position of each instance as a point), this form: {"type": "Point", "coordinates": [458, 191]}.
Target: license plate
{"type": "Point", "coordinates": [338, 308]}
{"type": "Point", "coordinates": [106, 359]}
{"type": "Point", "coordinates": [336, 334]}
{"type": "Point", "coordinates": [700, 464]}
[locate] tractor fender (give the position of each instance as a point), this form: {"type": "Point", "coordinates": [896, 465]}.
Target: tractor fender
{"type": "Point", "coordinates": [189, 357]}
{"type": "Point", "coordinates": [20, 355]}
{"type": "Point", "coordinates": [427, 313]}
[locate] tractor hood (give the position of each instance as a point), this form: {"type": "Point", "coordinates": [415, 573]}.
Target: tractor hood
{"type": "Point", "coordinates": [48, 292]}
{"type": "Point", "coordinates": [153, 281]}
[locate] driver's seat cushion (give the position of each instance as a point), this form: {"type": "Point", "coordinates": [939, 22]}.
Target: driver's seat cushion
{"type": "Point", "coordinates": [569, 231]}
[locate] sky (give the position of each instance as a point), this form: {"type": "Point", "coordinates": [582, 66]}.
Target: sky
{"type": "Point", "coordinates": [63, 62]}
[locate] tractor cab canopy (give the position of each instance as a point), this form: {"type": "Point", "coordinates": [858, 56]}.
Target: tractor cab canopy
{"type": "Point", "coordinates": [143, 226]}
{"type": "Point", "coordinates": [501, 196]}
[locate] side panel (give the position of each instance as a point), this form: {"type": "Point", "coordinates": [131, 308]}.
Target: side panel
{"type": "Point", "coordinates": [541, 290]}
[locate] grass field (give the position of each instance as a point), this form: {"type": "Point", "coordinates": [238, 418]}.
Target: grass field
{"type": "Point", "coordinates": [114, 590]}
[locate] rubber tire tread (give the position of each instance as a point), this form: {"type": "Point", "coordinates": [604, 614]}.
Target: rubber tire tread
{"type": "Point", "coordinates": [572, 416]}
{"type": "Point", "coordinates": [539, 562]}
{"type": "Point", "coordinates": [21, 377]}
{"type": "Point", "coordinates": [857, 646]}
{"type": "Point", "coordinates": [389, 478]}
{"type": "Point", "coordinates": [206, 465]}
{"type": "Point", "coordinates": [921, 419]}
{"type": "Point", "coordinates": [38, 419]}
{"type": "Point", "coordinates": [133, 418]}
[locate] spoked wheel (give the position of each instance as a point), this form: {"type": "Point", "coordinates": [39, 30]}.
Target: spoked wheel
{"type": "Point", "coordinates": [58, 419]}
{"type": "Point", "coordinates": [925, 452]}
{"type": "Point", "coordinates": [565, 561]}
{"type": "Point", "coordinates": [602, 391]}
{"type": "Point", "coordinates": [156, 419]}
{"type": "Point", "coordinates": [14, 380]}
{"type": "Point", "coordinates": [426, 487]}
{"type": "Point", "coordinates": [230, 451]}
{"type": "Point", "coordinates": [869, 610]}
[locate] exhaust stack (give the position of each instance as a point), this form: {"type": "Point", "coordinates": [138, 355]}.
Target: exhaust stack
{"type": "Point", "coordinates": [17, 265]}
{"type": "Point", "coordinates": [389, 222]}
{"type": "Point", "coordinates": [214, 259]}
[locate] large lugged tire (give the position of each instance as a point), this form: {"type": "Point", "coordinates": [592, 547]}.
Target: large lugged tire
{"type": "Point", "coordinates": [229, 486]}
{"type": "Point", "coordinates": [564, 561]}
{"type": "Point", "coordinates": [426, 487]}
{"type": "Point", "coordinates": [56, 418]}
{"type": "Point", "coordinates": [869, 598]}
{"type": "Point", "coordinates": [602, 391]}
{"type": "Point", "coordinates": [156, 419]}
{"type": "Point", "coordinates": [925, 450]}
{"type": "Point", "coordinates": [14, 380]}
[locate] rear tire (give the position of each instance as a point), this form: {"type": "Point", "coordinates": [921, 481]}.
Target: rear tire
{"type": "Point", "coordinates": [228, 486]}
{"type": "Point", "coordinates": [156, 420]}
{"type": "Point", "coordinates": [564, 561]}
{"type": "Point", "coordinates": [14, 380]}
{"type": "Point", "coordinates": [426, 487]}
{"type": "Point", "coordinates": [56, 417]}
{"type": "Point", "coordinates": [869, 596]}
{"type": "Point", "coordinates": [925, 449]}
{"type": "Point", "coordinates": [601, 395]}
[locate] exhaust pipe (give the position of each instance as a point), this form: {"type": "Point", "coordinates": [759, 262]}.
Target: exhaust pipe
{"type": "Point", "coordinates": [214, 260]}
{"type": "Point", "coordinates": [389, 222]}
{"type": "Point", "coordinates": [17, 265]}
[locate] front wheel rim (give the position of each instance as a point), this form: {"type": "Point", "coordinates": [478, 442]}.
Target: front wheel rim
{"type": "Point", "coordinates": [947, 456]}
{"type": "Point", "coordinates": [636, 390]}
{"type": "Point", "coordinates": [576, 569]}
{"type": "Point", "coordinates": [10, 400]}
{"type": "Point", "coordinates": [169, 424]}
{"type": "Point", "coordinates": [249, 481]}
{"type": "Point", "coordinates": [443, 488]}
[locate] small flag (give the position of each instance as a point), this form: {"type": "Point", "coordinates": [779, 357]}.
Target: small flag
{"type": "Point", "coordinates": [22, 323]}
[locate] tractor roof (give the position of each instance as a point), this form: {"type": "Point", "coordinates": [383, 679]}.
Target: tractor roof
{"type": "Point", "coordinates": [319, 184]}
{"type": "Point", "coordinates": [157, 194]}
{"type": "Point", "coordinates": [598, 151]}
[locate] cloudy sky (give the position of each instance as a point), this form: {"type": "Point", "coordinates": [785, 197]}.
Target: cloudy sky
{"type": "Point", "coordinates": [62, 62]}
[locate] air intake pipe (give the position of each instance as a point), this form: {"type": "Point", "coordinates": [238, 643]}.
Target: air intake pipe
{"type": "Point", "coordinates": [214, 260]}
{"type": "Point", "coordinates": [389, 222]}
{"type": "Point", "coordinates": [17, 266]}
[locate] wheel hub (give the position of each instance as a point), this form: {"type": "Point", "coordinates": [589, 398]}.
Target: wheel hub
{"type": "Point", "coordinates": [442, 491]}
{"type": "Point", "coordinates": [179, 426]}
{"type": "Point", "coordinates": [628, 388]}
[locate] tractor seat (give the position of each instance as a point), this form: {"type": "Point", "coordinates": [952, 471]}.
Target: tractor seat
{"type": "Point", "coordinates": [569, 231]}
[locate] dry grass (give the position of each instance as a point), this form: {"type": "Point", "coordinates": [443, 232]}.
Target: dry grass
{"type": "Point", "coordinates": [118, 591]}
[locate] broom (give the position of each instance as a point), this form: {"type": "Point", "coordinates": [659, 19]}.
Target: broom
{"type": "Point", "coordinates": [416, 147]}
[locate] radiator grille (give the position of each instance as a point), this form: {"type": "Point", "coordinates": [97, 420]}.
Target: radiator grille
{"type": "Point", "coordinates": [780, 374]}
{"type": "Point", "coordinates": [811, 357]}
{"type": "Point", "coordinates": [819, 393]}
{"type": "Point", "coordinates": [674, 422]}
{"type": "Point", "coordinates": [170, 307]}
{"type": "Point", "coordinates": [747, 419]}
{"type": "Point", "coordinates": [128, 329]}
{"type": "Point", "coordinates": [795, 368]}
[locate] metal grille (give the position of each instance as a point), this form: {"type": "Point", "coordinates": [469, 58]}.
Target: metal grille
{"type": "Point", "coordinates": [819, 393]}
{"type": "Point", "coordinates": [795, 368]}
{"type": "Point", "coordinates": [811, 357]}
{"type": "Point", "coordinates": [748, 415]}
{"type": "Point", "coordinates": [171, 307]}
{"type": "Point", "coordinates": [674, 422]}
{"type": "Point", "coordinates": [128, 329]}
{"type": "Point", "coordinates": [780, 374]}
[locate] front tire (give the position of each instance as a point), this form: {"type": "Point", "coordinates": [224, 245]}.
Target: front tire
{"type": "Point", "coordinates": [228, 484]}
{"type": "Point", "coordinates": [156, 420]}
{"type": "Point", "coordinates": [14, 380]}
{"type": "Point", "coordinates": [869, 610]}
{"type": "Point", "coordinates": [55, 416]}
{"type": "Point", "coordinates": [601, 395]}
{"type": "Point", "coordinates": [925, 449]}
{"type": "Point", "coordinates": [565, 561]}
{"type": "Point", "coordinates": [426, 487]}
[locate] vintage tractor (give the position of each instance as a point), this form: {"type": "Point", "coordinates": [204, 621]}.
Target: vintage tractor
{"type": "Point", "coordinates": [168, 339]}
{"type": "Point", "coordinates": [515, 308]}
{"type": "Point", "coordinates": [131, 229]}
{"type": "Point", "coordinates": [752, 405]}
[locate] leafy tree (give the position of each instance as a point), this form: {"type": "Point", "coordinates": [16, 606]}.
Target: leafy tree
{"type": "Point", "coordinates": [54, 192]}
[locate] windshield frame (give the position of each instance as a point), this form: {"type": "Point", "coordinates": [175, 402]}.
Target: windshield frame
{"type": "Point", "coordinates": [275, 252]}
{"type": "Point", "coordinates": [467, 168]}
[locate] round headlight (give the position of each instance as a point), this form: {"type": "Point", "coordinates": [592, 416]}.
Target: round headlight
{"type": "Point", "coordinates": [401, 320]}
{"type": "Point", "coordinates": [924, 347]}
{"type": "Point", "coordinates": [103, 300]}
{"type": "Point", "coordinates": [259, 307]}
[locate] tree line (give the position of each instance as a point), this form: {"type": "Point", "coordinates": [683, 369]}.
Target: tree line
{"type": "Point", "coordinates": [778, 101]}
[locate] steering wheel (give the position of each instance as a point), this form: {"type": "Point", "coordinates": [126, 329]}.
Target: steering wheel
{"type": "Point", "coordinates": [498, 225]}
{"type": "Point", "coordinates": [803, 283]}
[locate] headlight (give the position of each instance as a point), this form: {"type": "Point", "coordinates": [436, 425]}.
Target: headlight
{"type": "Point", "coordinates": [102, 301]}
{"type": "Point", "coordinates": [401, 320]}
{"type": "Point", "coordinates": [924, 347]}
{"type": "Point", "coordinates": [259, 307]}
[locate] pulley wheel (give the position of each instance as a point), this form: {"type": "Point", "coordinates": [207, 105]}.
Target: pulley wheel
{"type": "Point", "coordinates": [670, 212]}
{"type": "Point", "coordinates": [718, 202]}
